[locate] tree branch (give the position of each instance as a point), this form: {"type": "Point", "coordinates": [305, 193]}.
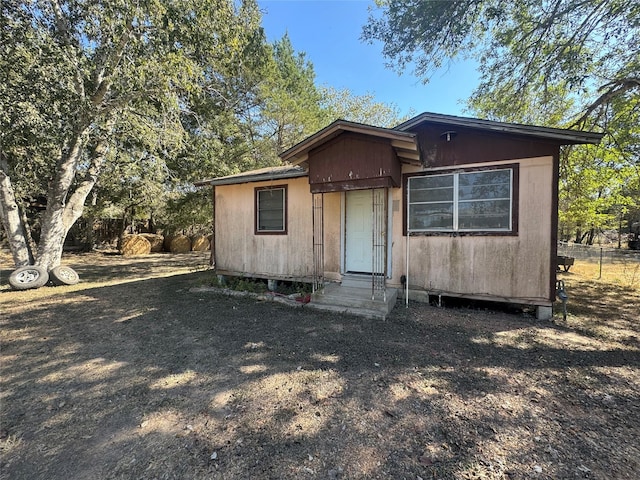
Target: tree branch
{"type": "Point", "coordinates": [75, 204]}
{"type": "Point", "coordinates": [103, 81]}
{"type": "Point", "coordinates": [64, 29]}
{"type": "Point", "coordinates": [611, 90]}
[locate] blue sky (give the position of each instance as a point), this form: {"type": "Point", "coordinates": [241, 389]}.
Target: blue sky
{"type": "Point", "coordinates": [328, 31]}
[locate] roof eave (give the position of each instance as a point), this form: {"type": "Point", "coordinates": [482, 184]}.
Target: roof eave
{"type": "Point", "coordinates": [260, 177]}
{"type": "Point", "coordinates": [564, 136]}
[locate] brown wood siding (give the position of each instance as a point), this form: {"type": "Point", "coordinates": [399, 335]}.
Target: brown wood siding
{"type": "Point", "coordinates": [353, 161]}
{"type": "Point", "coordinates": [471, 146]}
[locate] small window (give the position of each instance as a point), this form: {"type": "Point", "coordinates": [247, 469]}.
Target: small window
{"type": "Point", "coordinates": [474, 201]}
{"type": "Point", "coordinates": [271, 210]}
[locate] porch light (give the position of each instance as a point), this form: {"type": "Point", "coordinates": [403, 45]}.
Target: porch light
{"type": "Point", "coordinates": [448, 135]}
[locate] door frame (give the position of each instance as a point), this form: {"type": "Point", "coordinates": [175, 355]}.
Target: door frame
{"type": "Point", "coordinates": [343, 232]}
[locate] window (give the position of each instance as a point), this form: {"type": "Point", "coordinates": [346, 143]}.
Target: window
{"type": "Point", "coordinates": [472, 201]}
{"type": "Point", "coordinates": [271, 210]}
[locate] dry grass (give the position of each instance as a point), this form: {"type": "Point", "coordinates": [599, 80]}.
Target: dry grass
{"type": "Point", "coordinates": [623, 272]}
{"type": "Point", "coordinates": [132, 375]}
{"type": "Point", "coordinates": [607, 306]}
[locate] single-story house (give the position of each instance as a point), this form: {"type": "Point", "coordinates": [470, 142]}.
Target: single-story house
{"type": "Point", "coordinates": [439, 205]}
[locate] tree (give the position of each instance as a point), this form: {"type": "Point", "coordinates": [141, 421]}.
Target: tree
{"type": "Point", "coordinates": [12, 221]}
{"type": "Point", "coordinates": [80, 72]}
{"type": "Point", "coordinates": [359, 108]}
{"type": "Point", "coordinates": [27, 128]}
{"type": "Point", "coordinates": [291, 110]}
{"type": "Point", "coordinates": [588, 46]}
{"type": "Point", "coordinates": [592, 192]}
{"type": "Point", "coordinates": [127, 103]}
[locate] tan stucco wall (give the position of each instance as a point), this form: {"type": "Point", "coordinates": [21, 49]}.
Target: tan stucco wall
{"type": "Point", "coordinates": [239, 250]}
{"type": "Point", "coordinates": [504, 267]}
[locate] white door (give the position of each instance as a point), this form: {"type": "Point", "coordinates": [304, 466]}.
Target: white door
{"type": "Point", "coordinates": [359, 231]}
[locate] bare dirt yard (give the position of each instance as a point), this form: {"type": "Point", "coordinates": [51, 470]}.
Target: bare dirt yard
{"type": "Point", "coordinates": [133, 375]}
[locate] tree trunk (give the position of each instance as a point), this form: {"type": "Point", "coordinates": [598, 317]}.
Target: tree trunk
{"type": "Point", "coordinates": [123, 229]}
{"type": "Point", "coordinates": [61, 214]}
{"type": "Point", "coordinates": [152, 224]}
{"type": "Point", "coordinates": [579, 235]}
{"type": "Point", "coordinates": [53, 229]}
{"type": "Point", "coordinates": [620, 232]}
{"type": "Point", "coordinates": [31, 244]}
{"type": "Point", "coordinates": [12, 221]}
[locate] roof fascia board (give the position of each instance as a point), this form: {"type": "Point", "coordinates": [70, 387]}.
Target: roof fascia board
{"type": "Point", "coordinates": [572, 136]}
{"type": "Point", "coordinates": [251, 178]}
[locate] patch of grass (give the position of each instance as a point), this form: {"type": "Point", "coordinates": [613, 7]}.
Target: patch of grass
{"type": "Point", "coordinates": [624, 271]}
{"type": "Point", "coordinates": [602, 308]}
{"type": "Point", "coordinates": [240, 284]}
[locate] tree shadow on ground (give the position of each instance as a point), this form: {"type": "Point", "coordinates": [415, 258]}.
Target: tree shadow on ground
{"type": "Point", "coordinates": [150, 380]}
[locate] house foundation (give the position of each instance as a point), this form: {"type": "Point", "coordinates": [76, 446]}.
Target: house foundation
{"type": "Point", "coordinates": [544, 312]}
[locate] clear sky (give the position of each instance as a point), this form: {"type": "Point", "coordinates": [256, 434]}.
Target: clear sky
{"type": "Point", "coordinates": [328, 31]}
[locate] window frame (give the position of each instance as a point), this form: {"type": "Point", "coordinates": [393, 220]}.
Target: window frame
{"type": "Point", "coordinates": [455, 230]}
{"type": "Point", "coordinates": [256, 206]}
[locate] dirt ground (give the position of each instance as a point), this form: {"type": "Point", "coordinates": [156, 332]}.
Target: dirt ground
{"type": "Point", "coordinates": [131, 375]}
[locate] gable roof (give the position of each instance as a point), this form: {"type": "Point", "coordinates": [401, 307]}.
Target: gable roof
{"type": "Point", "coordinates": [404, 143]}
{"type": "Point", "coordinates": [563, 136]}
{"type": "Point", "coordinates": [403, 140]}
{"type": "Point", "coordinates": [259, 175]}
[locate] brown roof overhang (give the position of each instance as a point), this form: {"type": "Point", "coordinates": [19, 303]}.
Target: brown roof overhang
{"type": "Point", "coordinates": [561, 136]}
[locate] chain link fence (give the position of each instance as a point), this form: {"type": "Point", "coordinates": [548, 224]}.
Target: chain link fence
{"type": "Point", "coordinates": [593, 253]}
{"type": "Point", "coordinates": [607, 263]}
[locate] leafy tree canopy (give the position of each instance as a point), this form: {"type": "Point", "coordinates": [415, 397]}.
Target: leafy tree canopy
{"type": "Point", "coordinates": [291, 109]}
{"type": "Point", "coordinates": [342, 103]}
{"type": "Point", "coordinates": [524, 48]}
{"type": "Point", "coordinates": [127, 103]}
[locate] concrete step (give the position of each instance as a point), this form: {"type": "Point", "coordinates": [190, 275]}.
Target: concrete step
{"type": "Point", "coordinates": [356, 280]}
{"type": "Point", "coordinates": [355, 297]}
{"type": "Point", "coordinates": [355, 300]}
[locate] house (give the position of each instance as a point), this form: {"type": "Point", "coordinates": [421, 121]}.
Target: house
{"type": "Point", "coordinates": [439, 205]}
